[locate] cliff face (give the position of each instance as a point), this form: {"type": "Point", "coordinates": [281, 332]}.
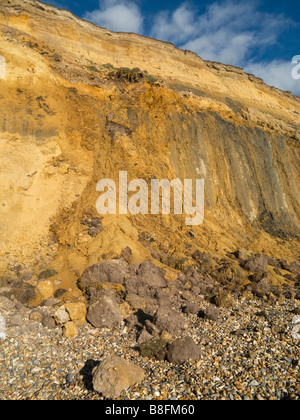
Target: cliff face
{"type": "Point", "coordinates": [71, 114]}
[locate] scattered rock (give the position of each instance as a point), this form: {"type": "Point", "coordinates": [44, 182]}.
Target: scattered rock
{"type": "Point", "coordinates": [46, 274]}
{"type": "Point", "coordinates": [77, 312]}
{"type": "Point", "coordinates": [191, 308]}
{"type": "Point", "coordinates": [6, 304]}
{"type": "Point", "coordinates": [113, 271]}
{"type": "Point", "coordinates": [144, 337]}
{"type": "Point", "coordinates": [115, 375]}
{"type": "Point", "coordinates": [244, 254]}
{"type": "Point", "coordinates": [294, 268]}
{"type": "Point", "coordinates": [48, 322]}
{"type": "Point", "coordinates": [126, 255]}
{"type": "Point", "coordinates": [182, 350]}
{"type": "Point", "coordinates": [224, 300]}
{"type": "Point", "coordinates": [262, 288]}
{"type": "Point", "coordinates": [44, 290]}
{"type": "Point", "coordinates": [212, 313]}
{"type": "Point", "coordinates": [105, 312]}
{"type": "Point", "coordinates": [70, 330]}
{"type": "Point", "coordinates": [154, 349]}
{"type": "Point", "coordinates": [258, 264]}
{"type": "Point", "coordinates": [36, 315]}
{"type": "Point", "coordinates": [146, 280]}
{"type": "Point", "coordinates": [16, 320]}
{"type": "Point", "coordinates": [62, 316]}
{"type": "Point", "coordinates": [59, 292]}
{"type": "Point", "coordinates": [170, 320]}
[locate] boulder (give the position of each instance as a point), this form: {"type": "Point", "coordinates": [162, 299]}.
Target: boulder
{"type": "Point", "coordinates": [105, 312]}
{"type": "Point", "coordinates": [262, 288]}
{"type": "Point", "coordinates": [44, 290]}
{"type": "Point", "coordinates": [224, 300]}
{"type": "Point", "coordinates": [113, 271]}
{"type": "Point", "coordinates": [169, 319]}
{"type": "Point", "coordinates": [77, 312]}
{"type": "Point", "coordinates": [115, 375]}
{"type": "Point", "coordinates": [258, 264]}
{"type": "Point", "coordinates": [191, 308]}
{"type": "Point", "coordinates": [182, 350]}
{"type": "Point", "coordinates": [212, 313]}
{"type": "Point", "coordinates": [146, 280]}
{"type": "Point", "coordinates": [154, 349]}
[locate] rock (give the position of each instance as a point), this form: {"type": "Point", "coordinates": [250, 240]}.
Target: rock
{"type": "Point", "coordinates": [105, 312]}
{"type": "Point", "coordinates": [212, 313]}
{"type": "Point", "coordinates": [224, 300]}
{"type": "Point", "coordinates": [36, 315]}
{"type": "Point", "coordinates": [138, 302]}
{"type": "Point", "coordinates": [126, 254]}
{"type": "Point", "coordinates": [48, 322]}
{"type": "Point", "coordinates": [16, 320]}
{"type": "Point", "coordinates": [59, 292]}
{"type": "Point", "coordinates": [146, 280]}
{"type": "Point", "coordinates": [294, 268]}
{"type": "Point", "coordinates": [25, 294]}
{"type": "Point", "coordinates": [244, 254]}
{"type": "Point", "coordinates": [44, 290]}
{"type": "Point", "coordinates": [6, 304]}
{"type": "Point", "coordinates": [154, 349]}
{"type": "Point", "coordinates": [77, 312]}
{"type": "Point", "coordinates": [62, 316]}
{"type": "Point", "coordinates": [113, 271]}
{"type": "Point", "coordinates": [191, 308]}
{"type": "Point", "coordinates": [144, 337]}
{"type": "Point", "coordinates": [258, 264]}
{"type": "Point", "coordinates": [115, 375]}
{"type": "Point", "coordinates": [70, 330]}
{"type": "Point", "coordinates": [93, 231]}
{"type": "Point", "coordinates": [182, 350]}
{"type": "Point", "coordinates": [151, 328]}
{"type": "Point", "coordinates": [46, 274]}
{"type": "Point", "coordinates": [262, 288]}
{"type": "Point", "coordinates": [170, 320]}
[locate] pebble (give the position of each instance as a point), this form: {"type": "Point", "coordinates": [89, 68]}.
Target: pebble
{"type": "Point", "coordinates": [40, 363]}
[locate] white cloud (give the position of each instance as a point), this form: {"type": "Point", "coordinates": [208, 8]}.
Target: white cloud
{"type": "Point", "coordinates": [276, 73]}
{"type": "Point", "coordinates": [229, 32]}
{"type": "Point", "coordinates": [117, 15]}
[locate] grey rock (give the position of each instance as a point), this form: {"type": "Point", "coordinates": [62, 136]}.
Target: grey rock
{"type": "Point", "coordinates": [113, 271]}
{"type": "Point", "coordinates": [146, 280]}
{"type": "Point", "coordinates": [48, 322]}
{"type": "Point", "coordinates": [105, 312]}
{"type": "Point", "coordinates": [212, 313]}
{"type": "Point", "coordinates": [169, 319]}
{"type": "Point", "coordinates": [182, 350]}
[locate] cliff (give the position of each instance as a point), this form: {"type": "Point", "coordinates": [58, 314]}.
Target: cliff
{"type": "Point", "coordinates": [80, 103]}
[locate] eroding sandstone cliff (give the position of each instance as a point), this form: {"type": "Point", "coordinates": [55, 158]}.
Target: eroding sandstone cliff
{"type": "Point", "coordinates": [80, 103]}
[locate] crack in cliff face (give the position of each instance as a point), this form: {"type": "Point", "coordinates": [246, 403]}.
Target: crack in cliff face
{"type": "Point", "coordinates": [81, 104]}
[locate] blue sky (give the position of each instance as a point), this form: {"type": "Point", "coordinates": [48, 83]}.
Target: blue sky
{"type": "Point", "coordinates": [262, 36]}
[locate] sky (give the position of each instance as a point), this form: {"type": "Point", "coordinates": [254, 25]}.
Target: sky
{"type": "Point", "coordinates": [262, 36]}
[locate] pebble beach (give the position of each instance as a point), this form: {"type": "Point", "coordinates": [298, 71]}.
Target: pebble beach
{"type": "Point", "coordinates": [249, 353]}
